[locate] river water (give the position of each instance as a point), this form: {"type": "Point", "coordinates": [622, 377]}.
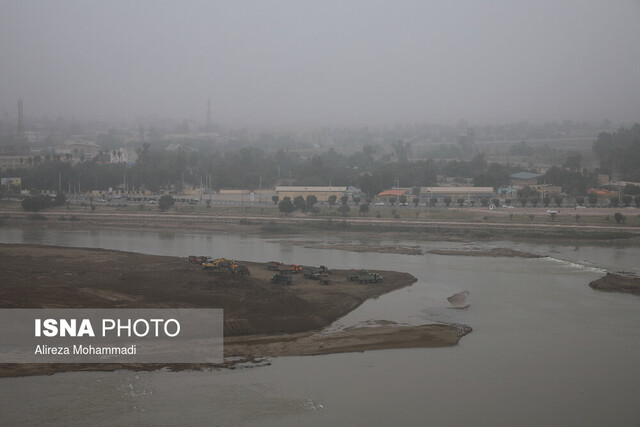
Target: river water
{"type": "Point", "coordinates": [545, 348]}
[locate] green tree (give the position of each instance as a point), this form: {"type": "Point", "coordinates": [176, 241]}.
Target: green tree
{"type": "Point", "coordinates": [460, 201]}
{"type": "Point", "coordinates": [300, 203]}
{"type": "Point", "coordinates": [60, 199]}
{"type": "Point", "coordinates": [311, 200]}
{"type": "Point", "coordinates": [364, 208]}
{"type": "Point", "coordinates": [36, 203]}
{"type": "Point", "coordinates": [593, 199]}
{"type": "Point", "coordinates": [524, 201]}
{"type": "Point", "coordinates": [447, 201]}
{"type": "Point", "coordinates": [343, 209]}
{"type": "Point", "coordinates": [580, 200]}
{"type": "Point", "coordinates": [285, 206]}
{"type": "Point", "coordinates": [402, 199]}
{"type": "Point", "coordinates": [416, 201]}
{"type": "Point", "coordinates": [275, 199]}
{"type": "Point", "coordinates": [626, 200]}
{"type": "Point", "coordinates": [615, 201]}
{"type": "Point", "coordinates": [434, 201]}
{"type": "Point", "coordinates": [332, 199]}
{"type": "Point", "coordinates": [166, 202]}
{"type": "Point", "coordinates": [620, 219]}
{"type": "Point", "coordinates": [558, 199]}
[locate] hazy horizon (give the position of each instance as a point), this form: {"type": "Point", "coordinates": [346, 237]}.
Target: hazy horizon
{"type": "Point", "coordinates": [301, 64]}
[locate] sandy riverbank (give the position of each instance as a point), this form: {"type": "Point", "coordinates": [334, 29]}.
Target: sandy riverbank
{"type": "Point", "coordinates": [616, 283]}
{"type": "Point", "coordinates": [494, 252]}
{"type": "Point", "coordinates": [261, 319]}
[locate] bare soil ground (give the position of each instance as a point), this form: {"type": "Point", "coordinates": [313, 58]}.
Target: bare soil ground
{"type": "Point", "coordinates": [261, 318]}
{"type": "Point", "coordinates": [617, 283]}
{"type": "Point", "coordinates": [495, 252]}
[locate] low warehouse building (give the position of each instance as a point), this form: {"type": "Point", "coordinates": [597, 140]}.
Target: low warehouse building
{"type": "Point", "coordinates": [475, 194]}
{"type": "Point", "coordinates": [321, 193]}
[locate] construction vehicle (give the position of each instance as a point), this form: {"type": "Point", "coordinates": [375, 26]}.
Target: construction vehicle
{"type": "Point", "coordinates": [273, 265]}
{"type": "Point", "coordinates": [198, 259]}
{"type": "Point", "coordinates": [282, 279]}
{"type": "Point", "coordinates": [240, 269]}
{"type": "Point", "coordinates": [292, 269]}
{"type": "Point", "coordinates": [234, 268]}
{"type": "Point", "coordinates": [311, 273]}
{"type": "Point", "coordinates": [216, 264]}
{"type": "Point", "coordinates": [364, 276]}
{"type": "Point", "coordinates": [315, 273]}
{"type": "Point", "coordinates": [324, 278]}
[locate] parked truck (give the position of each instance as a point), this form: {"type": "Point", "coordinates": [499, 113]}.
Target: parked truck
{"type": "Point", "coordinates": [273, 265]}
{"type": "Point", "coordinates": [291, 269]}
{"type": "Point", "coordinates": [364, 276]}
{"type": "Point", "coordinates": [314, 273]}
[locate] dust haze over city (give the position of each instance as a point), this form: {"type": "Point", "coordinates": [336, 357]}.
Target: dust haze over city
{"type": "Point", "coordinates": [289, 64]}
{"type": "Point", "coordinates": [436, 203]}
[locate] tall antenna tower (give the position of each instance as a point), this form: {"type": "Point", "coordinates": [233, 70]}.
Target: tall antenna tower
{"type": "Point", "coordinates": [209, 124]}
{"type": "Point", "coordinates": [20, 135]}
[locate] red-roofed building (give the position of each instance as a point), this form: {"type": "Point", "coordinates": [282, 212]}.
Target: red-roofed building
{"type": "Point", "coordinates": [393, 194]}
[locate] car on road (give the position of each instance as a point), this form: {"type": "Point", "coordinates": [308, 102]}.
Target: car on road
{"type": "Point", "coordinates": [507, 206]}
{"type": "Point", "coordinates": [551, 211]}
{"type": "Point", "coordinates": [380, 204]}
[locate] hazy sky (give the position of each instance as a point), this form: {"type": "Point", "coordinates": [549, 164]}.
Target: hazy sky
{"type": "Point", "coordinates": [316, 63]}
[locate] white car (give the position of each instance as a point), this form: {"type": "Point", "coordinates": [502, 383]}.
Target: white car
{"type": "Point", "coordinates": [380, 204]}
{"type": "Point", "coordinates": [507, 206]}
{"type": "Point", "coordinates": [550, 211]}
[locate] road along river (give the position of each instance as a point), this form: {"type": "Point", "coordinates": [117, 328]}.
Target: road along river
{"type": "Point", "coordinates": [545, 348]}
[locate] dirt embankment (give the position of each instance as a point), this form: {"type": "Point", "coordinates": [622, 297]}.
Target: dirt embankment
{"type": "Point", "coordinates": [616, 283]}
{"type": "Point", "coordinates": [495, 252]}
{"type": "Point", "coordinates": [256, 311]}
{"type": "Point", "coordinates": [381, 249]}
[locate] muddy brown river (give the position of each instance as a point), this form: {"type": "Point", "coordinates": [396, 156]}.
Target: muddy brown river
{"type": "Point", "coordinates": [545, 348]}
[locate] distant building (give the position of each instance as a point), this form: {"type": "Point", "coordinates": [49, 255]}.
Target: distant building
{"type": "Point", "coordinates": [474, 194]}
{"type": "Point", "coordinates": [353, 192]}
{"type": "Point", "coordinates": [321, 193]}
{"type": "Point", "coordinates": [79, 150]}
{"type": "Point", "coordinates": [525, 178]}
{"type": "Point", "coordinates": [394, 193]}
{"type": "Point", "coordinates": [547, 190]}
{"type": "Point", "coordinates": [13, 162]}
{"type": "Point", "coordinates": [126, 155]}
